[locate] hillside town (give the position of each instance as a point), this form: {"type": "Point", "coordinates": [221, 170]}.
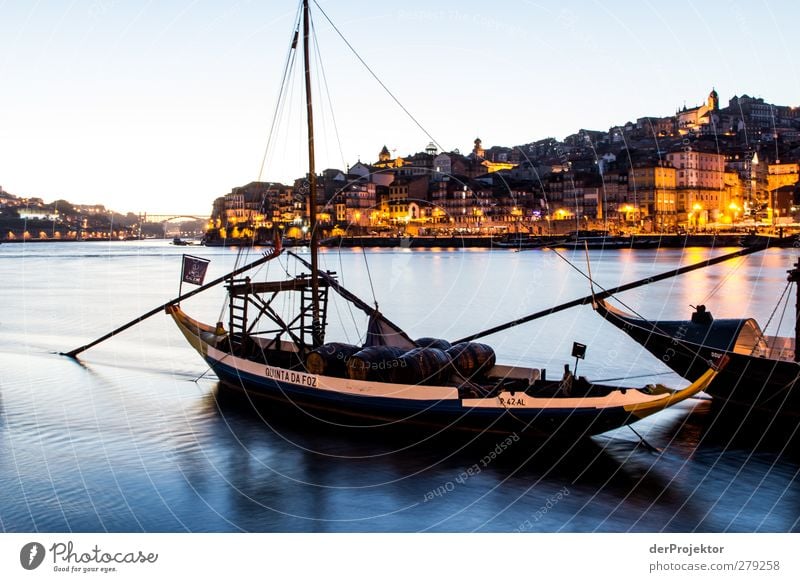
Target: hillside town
{"type": "Point", "coordinates": [705, 168]}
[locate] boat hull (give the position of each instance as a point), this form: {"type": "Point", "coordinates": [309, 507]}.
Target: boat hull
{"type": "Point", "coordinates": [351, 403]}
{"type": "Point", "coordinates": [431, 416]}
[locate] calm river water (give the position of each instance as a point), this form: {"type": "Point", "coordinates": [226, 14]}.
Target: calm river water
{"type": "Point", "coordinates": [133, 437]}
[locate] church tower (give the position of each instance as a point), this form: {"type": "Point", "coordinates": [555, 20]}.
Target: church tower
{"type": "Point", "coordinates": [478, 151]}
{"type": "Point", "coordinates": [384, 156]}
{"type": "Point", "coordinates": [713, 100]}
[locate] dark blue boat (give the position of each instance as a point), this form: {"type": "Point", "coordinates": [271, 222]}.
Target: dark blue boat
{"type": "Point", "coordinates": [762, 372]}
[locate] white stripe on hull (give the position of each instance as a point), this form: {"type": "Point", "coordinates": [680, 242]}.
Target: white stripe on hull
{"type": "Point", "coordinates": [340, 385]}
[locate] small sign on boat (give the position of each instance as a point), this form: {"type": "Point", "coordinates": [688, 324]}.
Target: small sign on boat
{"type": "Point", "coordinates": [578, 350]}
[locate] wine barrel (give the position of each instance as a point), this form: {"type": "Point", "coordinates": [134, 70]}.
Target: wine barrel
{"type": "Point", "coordinates": [472, 358]}
{"type": "Point", "coordinates": [374, 363]}
{"type": "Point", "coordinates": [427, 366]}
{"type": "Point", "coordinates": [330, 359]}
{"type": "Point", "coordinates": [433, 342]}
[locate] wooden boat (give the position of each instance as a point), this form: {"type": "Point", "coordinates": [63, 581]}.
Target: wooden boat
{"type": "Point", "coordinates": [392, 381]}
{"type": "Point", "coordinates": [404, 384]}
{"type": "Point", "coordinates": [762, 371]}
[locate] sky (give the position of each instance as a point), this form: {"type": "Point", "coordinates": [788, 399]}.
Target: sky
{"type": "Point", "coordinates": [163, 106]}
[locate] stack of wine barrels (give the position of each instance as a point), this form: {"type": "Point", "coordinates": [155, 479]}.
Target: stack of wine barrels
{"type": "Point", "coordinates": [432, 363]}
{"type": "Point", "coordinates": [376, 363]}
{"type": "Point", "coordinates": [330, 359]}
{"type": "Point", "coordinates": [472, 359]}
{"type": "Point", "coordinates": [428, 366]}
{"type": "Point", "coordinates": [433, 342]}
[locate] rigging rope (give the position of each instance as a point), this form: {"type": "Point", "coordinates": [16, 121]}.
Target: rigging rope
{"type": "Point", "coordinates": [681, 346]}
{"type": "Point", "coordinates": [374, 76]}
{"type": "Point", "coordinates": [361, 335]}
{"type": "Point", "coordinates": [762, 336]}
{"type": "Point", "coordinates": [593, 282]}
{"type": "Point", "coordinates": [650, 375]}
{"type": "Point", "coordinates": [327, 91]}
{"type": "Point", "coordinates": [369, 276]}
{"type": "Point", "coordinates": [336, 129]}
{"type": "Point", "coordinates": [780, 321]}
{"type": "Point", "coordinates": [223, 308]}
{"type": "Point", "coordinates": [288, 68]}
{"type": "Point", "coordinates": [722, 282]}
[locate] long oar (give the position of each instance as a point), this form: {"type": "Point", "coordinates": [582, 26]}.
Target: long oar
{"type": "Point", "coordinates": [608, 292]}
{"type": "Point", "coordinates": [74, 353]}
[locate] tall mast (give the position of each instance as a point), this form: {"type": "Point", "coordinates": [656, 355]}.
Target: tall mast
{"type": "Point", "coordinates": [316, 327]}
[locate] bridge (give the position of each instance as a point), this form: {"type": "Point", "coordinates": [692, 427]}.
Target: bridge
{"type": "Point", "coordinates": [147, 217]}
{"type": "Point", "coordinates": [170, 224]}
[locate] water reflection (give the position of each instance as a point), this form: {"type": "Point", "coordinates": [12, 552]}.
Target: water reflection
{"type": "Point", "coordinates": [338, 482]}
{"type": "Point", "coordinates": [740, 470]}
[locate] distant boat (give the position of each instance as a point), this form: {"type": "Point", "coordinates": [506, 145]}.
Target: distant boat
{"type": "Point", "coordinates": [274, 346]}
{"type": "Point", "coordinates": [294, 242]}
{"type": "Point", "coordinates": [250, 242]}
{"type": "Point", "coordinates": [525, 241]}
{"type": "Point", "coordinates": [594, 240]}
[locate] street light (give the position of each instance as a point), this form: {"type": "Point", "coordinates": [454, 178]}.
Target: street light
{"type": "Point", "coordinates": [734, 210]}
{"type": "Point", "coordinates": [625, 209]}
{"type": "Point", "coordinates": [698, 211]}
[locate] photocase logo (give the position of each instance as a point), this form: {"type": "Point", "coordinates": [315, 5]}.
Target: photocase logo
{"type": "Point", "coordinates": [31, 555]}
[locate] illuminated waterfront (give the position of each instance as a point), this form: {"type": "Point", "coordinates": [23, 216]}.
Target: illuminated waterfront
{"type": "Point", "coordinates": [127, 441]}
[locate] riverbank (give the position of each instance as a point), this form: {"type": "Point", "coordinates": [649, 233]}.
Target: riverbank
{"type": "Point", "coordinates": [638, 241]}
{"type": "Point", "coordinates": [62, 240]}
{"type": "Point", "coordinates": [647, 241]}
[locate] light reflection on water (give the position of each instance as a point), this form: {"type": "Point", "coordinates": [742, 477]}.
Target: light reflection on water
{"type": "Point", "coordinates": [126, 440]}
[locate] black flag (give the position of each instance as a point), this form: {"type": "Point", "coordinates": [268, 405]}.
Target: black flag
{"type": "Point", "coordinates": [194, 269]}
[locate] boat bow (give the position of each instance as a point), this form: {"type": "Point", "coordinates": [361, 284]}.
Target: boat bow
{"type": "Point", "coordinates": [673, 397]}
{"type": "Point", "coordinates": [199, 335]}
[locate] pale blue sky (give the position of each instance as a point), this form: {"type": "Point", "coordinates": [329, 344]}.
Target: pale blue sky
{"type": "Point", "coordinates": [163, 106]}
